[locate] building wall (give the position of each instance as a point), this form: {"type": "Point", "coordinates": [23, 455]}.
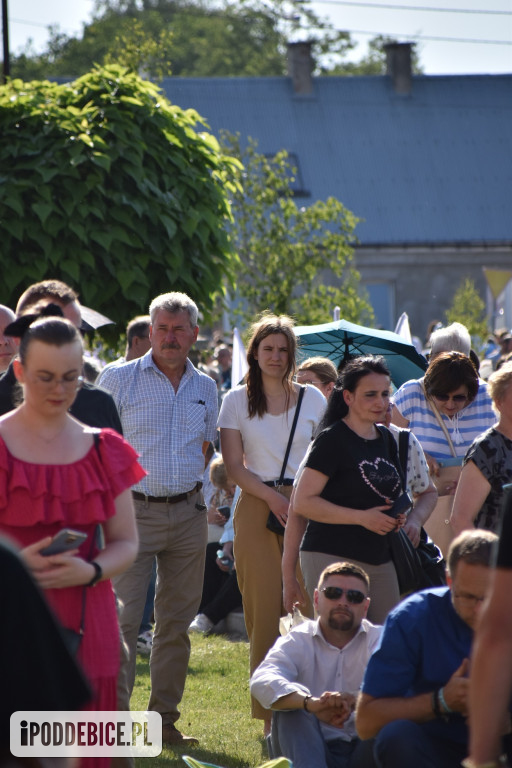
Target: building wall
{"type": "Point", "coordinates": [422, 280]}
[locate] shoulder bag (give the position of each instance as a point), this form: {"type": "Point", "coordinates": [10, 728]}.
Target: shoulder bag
{"type": "Point", "coordinates": [73, 639]}
{"type": "Point", "coordinates": [273, 523]}
{"type": "Point", "coordinates": [416, 567]}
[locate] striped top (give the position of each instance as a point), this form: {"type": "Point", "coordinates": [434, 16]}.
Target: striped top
{"type": "Point", "coordinates": [470, 422]}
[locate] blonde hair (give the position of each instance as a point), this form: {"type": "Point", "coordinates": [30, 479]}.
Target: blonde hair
{"type": "Point", "coordinates": [218, 473]}
{"type": "Point", "coordinates": [499, 382]}
{"type": "Point", "coordinates": [322, 367]}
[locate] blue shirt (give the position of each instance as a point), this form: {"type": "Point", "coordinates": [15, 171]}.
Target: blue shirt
{"type": "Point", "coordinates": [165, 427]}
{"type": "Point", "coordinates": [423, 642]}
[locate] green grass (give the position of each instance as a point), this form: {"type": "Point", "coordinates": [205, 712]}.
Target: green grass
{"type": "Point", "coordinates": [215, 708]}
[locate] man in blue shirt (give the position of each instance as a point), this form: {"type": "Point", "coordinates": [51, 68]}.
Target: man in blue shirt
{"type": "Point", "coordinates": [168, 410]}
{"type": "Point", "coordinates": [414, 697]}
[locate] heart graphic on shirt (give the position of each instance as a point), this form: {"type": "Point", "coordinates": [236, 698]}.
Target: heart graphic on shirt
{"type": "Point", "coordinates": [380, 474]}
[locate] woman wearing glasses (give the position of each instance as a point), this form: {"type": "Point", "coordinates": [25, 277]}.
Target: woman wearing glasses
{"type": "Point", "coordinates": [446, 410]}
{"type": "Point", "coordinates": [320, 372]}
{"type": "Point", "coordinates": [487, 464]}
{"type": "Point", "coordinates": [348, 485]}
{"type": "Point", "coordinates": [56, 473]}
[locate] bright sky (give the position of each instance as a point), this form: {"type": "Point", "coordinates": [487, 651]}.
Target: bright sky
{"type": "Point", "coordinates": [489, 22]}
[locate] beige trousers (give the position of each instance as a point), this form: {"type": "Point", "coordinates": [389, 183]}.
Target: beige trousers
{"type": "Point", "coordinates": [176, 534]}
{"type": "Point", "coordinates": [258, 554]}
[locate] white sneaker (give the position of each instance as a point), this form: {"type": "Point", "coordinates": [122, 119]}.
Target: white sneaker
{"type": "Point", "coordinates": [201, 624]}
{"type": "Point", "coordinates": [145, 642]}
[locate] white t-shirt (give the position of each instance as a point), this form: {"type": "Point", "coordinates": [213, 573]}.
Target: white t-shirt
{"type": "Point", "coordinates": [265, 439]}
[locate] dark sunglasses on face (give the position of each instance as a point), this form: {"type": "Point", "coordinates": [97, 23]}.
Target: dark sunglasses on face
{"type": "Point", "coordinates": [444, 398]}
{"type": "Point", "coordinates": [354, 596]}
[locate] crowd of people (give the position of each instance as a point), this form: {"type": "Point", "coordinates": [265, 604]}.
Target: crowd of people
{"type": "Point", "coordinates": [193, 496]}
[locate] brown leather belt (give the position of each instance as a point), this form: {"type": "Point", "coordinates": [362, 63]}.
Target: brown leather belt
{"type": "Point", "coordinates": [167, 499]}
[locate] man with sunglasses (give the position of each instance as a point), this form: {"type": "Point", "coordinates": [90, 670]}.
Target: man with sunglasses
{"type": "Point", "coordinates": [311, 676]}
{"type": "Point", "coordinates": [414, 699]}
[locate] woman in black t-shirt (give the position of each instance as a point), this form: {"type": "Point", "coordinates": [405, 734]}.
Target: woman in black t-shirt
{"type": "Point", "coordinates": [349, 483]}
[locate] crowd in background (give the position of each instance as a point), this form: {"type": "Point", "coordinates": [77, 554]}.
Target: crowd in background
{"type": "Point", "coordinates": [307, 474]}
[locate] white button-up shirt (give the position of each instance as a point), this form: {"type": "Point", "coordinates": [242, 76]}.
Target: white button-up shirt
{"type": "Point", "coordinates": [303, 661]}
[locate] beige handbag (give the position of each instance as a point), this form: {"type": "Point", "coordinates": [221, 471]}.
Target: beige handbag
{"type": "Point", "coordinates": [438, 524]}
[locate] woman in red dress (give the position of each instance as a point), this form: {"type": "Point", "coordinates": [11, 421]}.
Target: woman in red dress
{"type": "Point", "coordinates": [57, 473]}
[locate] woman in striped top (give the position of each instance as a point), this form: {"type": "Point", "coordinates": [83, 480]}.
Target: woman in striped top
{"type": "Point", "coordinates": [452, 387]}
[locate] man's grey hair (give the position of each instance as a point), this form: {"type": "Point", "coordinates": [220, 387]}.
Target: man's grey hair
{"type": "Point", "coordinates": [174, 302]}
{"type": "Point", "coordinates": [453, 338]}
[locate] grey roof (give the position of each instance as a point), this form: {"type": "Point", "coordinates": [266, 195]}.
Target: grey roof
{"type": "Point", "coordinates": [434, 166]}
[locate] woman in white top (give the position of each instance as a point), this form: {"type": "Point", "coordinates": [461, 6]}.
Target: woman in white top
{"type": "Point", "coordinates": [255, 422]}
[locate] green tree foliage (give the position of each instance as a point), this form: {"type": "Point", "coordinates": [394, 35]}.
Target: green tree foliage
{"type": "Point", "coordinates": [296, 261]}
{"type": "Point", "coordinates": [468, 308]}
{"type": "Point", "coordinates": [224, 38]}
{"type": "Point", "coordinates": [108, 186]}
{"type": "Point", "coordinates": [139, 52]}
{"type": "Point", "coordinates": [374, 63]}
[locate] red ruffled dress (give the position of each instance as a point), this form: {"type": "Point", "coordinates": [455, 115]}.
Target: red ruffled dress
{"type": "Point", "coordinates": [37, 500]}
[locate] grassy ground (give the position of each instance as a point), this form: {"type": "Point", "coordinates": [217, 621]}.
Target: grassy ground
{"type": "Point", "coordinates": [215, 708]}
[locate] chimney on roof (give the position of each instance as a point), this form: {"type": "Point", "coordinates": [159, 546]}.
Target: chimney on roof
{"type": "Point", "coordinates": [399, 66]}
{"type": "Point", "coordinates": [300, 67]}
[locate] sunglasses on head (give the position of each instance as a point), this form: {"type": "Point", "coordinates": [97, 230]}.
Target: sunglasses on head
{"type": "Point", "coordinates": [444, 398]}
{"type": "Point", "coordinates": [354, 596]}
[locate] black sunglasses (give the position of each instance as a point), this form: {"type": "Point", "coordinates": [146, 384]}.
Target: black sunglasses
{"type": "Point", "coordinates": [444, 398]}
{"type": "Point", "coordinates": [354, 596]}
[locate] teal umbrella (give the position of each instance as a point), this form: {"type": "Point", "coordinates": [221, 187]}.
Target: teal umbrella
{"type": "Point", "coordinates": [341, 340]}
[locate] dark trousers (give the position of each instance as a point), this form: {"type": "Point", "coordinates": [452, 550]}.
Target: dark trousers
{"type": "Point", "coordinates": [221, 594]}
{"type": "Point", "coordinates": [404, 744]}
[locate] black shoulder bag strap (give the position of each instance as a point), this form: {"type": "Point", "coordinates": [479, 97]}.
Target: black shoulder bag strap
{"type": "Point", "coordinates": [403, 451]}
{"type": "Point", "coordinates": [390, 442]}
{"type": "Point", "coordinates": [94, 541]}
{"type": "Point", "coordinates": [290, 439]}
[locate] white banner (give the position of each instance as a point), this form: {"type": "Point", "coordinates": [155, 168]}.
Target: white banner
{"type": "Point", "coordinates": [86, 734]}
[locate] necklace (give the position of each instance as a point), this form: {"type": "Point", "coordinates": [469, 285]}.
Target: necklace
{"type": "Point", "coordinates": [456, 435]}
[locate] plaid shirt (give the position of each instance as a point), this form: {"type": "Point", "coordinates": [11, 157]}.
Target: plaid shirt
{"type": "Point", "coordinates": [165, 427]}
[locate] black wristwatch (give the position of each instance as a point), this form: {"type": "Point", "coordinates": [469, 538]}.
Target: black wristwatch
{"type": "Point", "coordinates": [97, 576]}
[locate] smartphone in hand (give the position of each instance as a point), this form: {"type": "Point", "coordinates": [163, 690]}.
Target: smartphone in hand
{"type": "Point", "coordinates": [401, 506]}
{"type": "Point", "coordinates": [64, 541]}
{"type": "Point", "coordinates": [225, 511]}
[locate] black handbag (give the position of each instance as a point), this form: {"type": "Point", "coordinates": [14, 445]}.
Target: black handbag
{"type": "Point", "coordinates": [418, 567]}
{"type": "Point", "coordinates": [273, 523]}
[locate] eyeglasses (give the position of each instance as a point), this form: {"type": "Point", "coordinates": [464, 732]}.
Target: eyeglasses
{"type": "Point", "coordinates": [473, 599]}
{"type": "Point", "coordinates": [354, 596]}
{"type": "Point", "coordinates": [445, 398]}
{"type": "Point", "coordinates": [68, 382]}
{"type": "Point", "coordinates": [315, 382]}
